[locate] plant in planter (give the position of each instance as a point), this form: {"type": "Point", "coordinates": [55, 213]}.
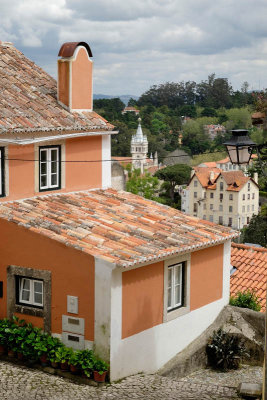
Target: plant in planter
{"type": "Point", "coordinates": [53, 345]}
{"type": "Point", "coordinates": [28, 345]}
{"type": "Point", "coordinates": [74, 362]}
{"type": "Point", "coordinates": [4, 323]}
{"type": "Point", "coordinates": [86, 360]}
{"type": "Point", "coordinates": [63, 355]}
{"type": "Point", "coordinates": [100, 370]}
{"type": "Point", "coordinates": [225, 351]}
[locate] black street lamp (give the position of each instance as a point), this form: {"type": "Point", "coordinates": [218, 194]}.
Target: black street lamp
{"type": "Point", "coordinates": [240, 147]}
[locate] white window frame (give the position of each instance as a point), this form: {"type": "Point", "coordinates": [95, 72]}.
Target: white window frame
{"type": "Point", "coordinates": [31, 290]}
{"type": "Point", "coordinates": [174, 271]}
{"type": "Point", "coordinates": [185, 260]}
{"type": "Point", "coordinates": [48, 162]}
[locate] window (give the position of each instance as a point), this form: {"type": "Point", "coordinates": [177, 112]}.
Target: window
{"type": "Point", "coordinates": [248, 208]}
{"type": "Point", "coordinates": [220, 220]}
{"type": "Point", "coordinates": [221, 185]}
{"type": "Point", "coordinates": [204, 216]}
{"type": "Point", "coordinates": [252, 207]}
{"type": "Point", "coordinates": [234, 166]}
{"type": "Point", "coordinates": [49, 167]}
{"type": "Point", "coordinates": [195, 195]}
{"type": "Point", "coordinates": [211, 206]}
{"type": "Point", "coordinates": [195, 183]}
{"type": "Point", "coordinates": [205, 195]}
{"type": "Point", "coordinates": [248, 186]}
{"type": "Point", "coordinates": [211, 195]}
{"type": "Point", "coordinates": [230, 222]}
{"type": "Point", "coordinates": [231, 196]}
{"type": "Point", "coordinates": [221, 196]}
{"type": "Point", "coordinates": [243, 209]}
{"type": "Point", "coordinates": [253, 196]}
{"type": "Point", "coordinates": [175, 286]}
{"type": "Point", "coordinates": [195, 207]}
{"type": "Point", "coordinates": [2, 172]}
{"type": "Point", "coordinates": [211, 218]}
{"type": "Point", "coordinates": [243, 197]}
{"type": "Point", "coordinates": [230, 208]}
{"type": "Point", "coordinates": [248, 196]}
{"type": "Point", "coordinates": [31, 291]}
{"type": "Point", "coordinates": [220, 207]}
{"type": "Point", "coordinates": [247, 220]}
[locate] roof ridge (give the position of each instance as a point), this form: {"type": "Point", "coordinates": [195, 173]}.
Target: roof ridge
{"type": "Point", "coordinates": [248, 247]}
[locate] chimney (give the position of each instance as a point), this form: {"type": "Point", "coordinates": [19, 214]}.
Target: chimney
{"type": "Point", "coordinates": [212, 176]}
{"type": "Point", "coordinates": [75, 76]}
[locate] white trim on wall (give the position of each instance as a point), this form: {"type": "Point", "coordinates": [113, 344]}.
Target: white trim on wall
{"type": "Point", "coordinates": [106, 165]}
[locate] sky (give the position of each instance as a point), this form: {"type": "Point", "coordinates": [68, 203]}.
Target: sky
{"type": "Point", "coordinates": [140, 43]}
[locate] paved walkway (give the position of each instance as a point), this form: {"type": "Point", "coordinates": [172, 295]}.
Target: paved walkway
{"type": "Point", "coordinates": [17, 383]}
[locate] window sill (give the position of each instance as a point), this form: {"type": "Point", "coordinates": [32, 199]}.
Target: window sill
{"type": "Point", "coordinates": [178, 312]}
{"type": "Point", "coordinates": [24, 309]}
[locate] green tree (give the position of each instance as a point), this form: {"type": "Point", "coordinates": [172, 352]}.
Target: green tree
{"type": "Point", "coordinates": [143, 185]}
{"type": "Point", "coordinates": [256, 231]}
{"type": "Point", "coordinates": [178, 174]}
{"type": "Point", "coordinates": [121, 142]}
{"type": "Point", "coordinates": [194, 137]}
{"type": "Point", "coordinates": [238, 118]}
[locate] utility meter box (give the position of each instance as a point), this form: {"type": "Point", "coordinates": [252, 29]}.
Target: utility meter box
{"type": "Point", "coordinates": [72, 304]}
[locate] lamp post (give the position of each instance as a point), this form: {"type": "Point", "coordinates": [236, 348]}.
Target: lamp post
{"type": "Point", "coordinates": [240, 148]}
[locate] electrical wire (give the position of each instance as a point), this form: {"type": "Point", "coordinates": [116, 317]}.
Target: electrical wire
{"type": "Point", "coordinates": [108, 160]}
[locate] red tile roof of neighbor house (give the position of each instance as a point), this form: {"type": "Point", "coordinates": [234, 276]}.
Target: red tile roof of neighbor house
{"type": "Point", "coordinates": [235, 180]}
{"type": "Point", "coordinates": [251, 270]}
{"type": "Point", "coordinates": [120, 227]}
{"type": "Point", "coordinates": [28, 100]}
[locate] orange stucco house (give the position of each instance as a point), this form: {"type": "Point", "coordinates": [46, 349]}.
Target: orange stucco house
{"type": "Point", "coordinates": [133, 279]}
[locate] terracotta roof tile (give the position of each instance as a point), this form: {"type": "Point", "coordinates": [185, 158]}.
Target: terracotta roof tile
{"type": "Point", "coordinates": [251, 273]}
{"type": "Point", "coordinates": [28, 100]}
{"type": "Point", "coordinates": [118, 226]}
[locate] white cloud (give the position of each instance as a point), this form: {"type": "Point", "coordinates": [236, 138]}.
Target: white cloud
{"type": "Point", "coordinates": [137, 44]}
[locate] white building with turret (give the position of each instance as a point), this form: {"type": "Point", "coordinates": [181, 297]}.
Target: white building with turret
{"type": "Point", "coordinates": [139, 150]}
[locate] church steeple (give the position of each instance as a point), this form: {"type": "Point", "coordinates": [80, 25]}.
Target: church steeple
{"type": "Point", "coordinates": [139, 148]}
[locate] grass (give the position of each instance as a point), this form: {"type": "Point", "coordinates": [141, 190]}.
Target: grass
{"type": "Point", "coordinates": [200, 158]}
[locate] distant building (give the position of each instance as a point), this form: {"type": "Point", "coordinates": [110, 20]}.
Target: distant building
{"type": "Point", "coordinates": [226, 165]}
{"type": "Point", "coordinates": [227, 198]}
{"type": "Point", "coordinates": [139, 150]}
{"type": "Point", "coordinates": [130, 109]}
{"type": "Point", "coordinates": [213, 130]}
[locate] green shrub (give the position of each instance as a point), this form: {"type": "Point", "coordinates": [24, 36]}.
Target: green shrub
{"type": "Point", "coordinates": [224, 351]}
{"type": "Point", "coordinates": [246, 299]}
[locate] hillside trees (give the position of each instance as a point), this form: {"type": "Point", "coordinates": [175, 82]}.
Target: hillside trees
{"type": "Point", "coordinates": [178, 174]}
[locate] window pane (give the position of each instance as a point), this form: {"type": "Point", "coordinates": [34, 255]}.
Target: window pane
{"type": "Point", "coordinates": [54, 155]}
{"type": "Point", "coordinates": [169, 277]}
{"type": "Point", "coordinates": [38, 286]}
{"type": "Point", "coordinates": [54, 167]}
{"type": "Point", "coordinates": [38, 298]}
{"type": "Point", "coordinates": [26, 284]}
{"type": "Point", "coordinates": [25, 295]}
{"type": "Point", "coordinates": [177, 274]}
{"type": "Point", "coordinates": [43, 180]}
{"type": "Point", "coordinates": [177, 295]}
{"type": "Point", "coordinates": [43, 155]}
{"type": "Point", "coordinates": [54, 179]}
{"type": "Point", "coordinates": [169, 297]}
{"type": "Point", "coordinates": [43, 168]}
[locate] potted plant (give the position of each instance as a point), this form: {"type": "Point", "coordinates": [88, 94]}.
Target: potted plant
{"type": "Point", "coordinates": [100, 370]}
{"type": "Point", "coordinates": [62, 356]}
{"type": "Point", "coordinates": [86, 360]}
{"type": "Point", "coordinates": [53, 345]}
{"type": "Point", "coordinates": [74, 362]}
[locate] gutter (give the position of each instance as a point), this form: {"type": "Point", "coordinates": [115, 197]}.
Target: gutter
{"type": "Point", "coordinates": [23, 142]}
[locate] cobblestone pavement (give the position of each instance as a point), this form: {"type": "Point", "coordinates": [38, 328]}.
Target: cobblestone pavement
{"type": "Point", "coordinates": [17, 383]}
